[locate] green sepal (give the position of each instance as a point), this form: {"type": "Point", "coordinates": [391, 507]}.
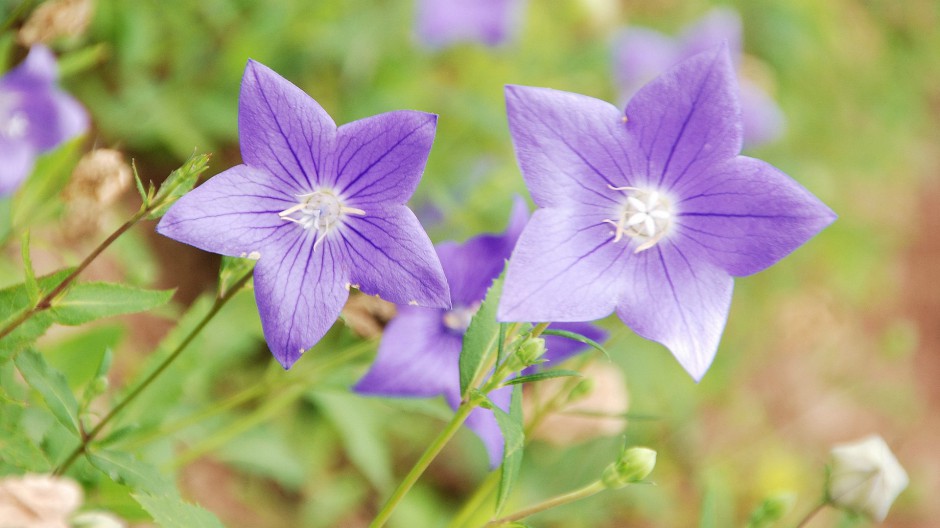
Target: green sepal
{"type": "Point", "coordinates": [180, 182]}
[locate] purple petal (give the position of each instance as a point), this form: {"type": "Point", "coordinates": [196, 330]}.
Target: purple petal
{"type": "Point", "coordinates": [471, 267]}
{"type": "Point", "coordinates": [391, 256]}
{"type": "Point", "coordinates": [687, 120]}
{"type": "Point", "coordinates": [18, 159]}
{"type": "Point", "coordinates": [484, 424]}
{"type": "Point", "coordinates": [492, 22]}
{"type": "Point", "coordinates": [283, 131]}
{"type": "Point", "coordinates": [747, 215]}
{"type": "Point", "coordinates": [417, 357]}
{"type": "Point", "coordinates": [38, 70]}
{"type": "Point", "coordinates": [380, 159]}
{"type": "Point", "coordinates": [720, 25]}
{"type": "Point", "coordinates": [763, 119]}
{"type": "Point", "coordinates": [640, 54]}
{"type": "Point", "coordinates": [300, 292]}
{"type": "Point", "coordinates": [234, 213]}
{"type": "Point", "coordinates": [564, 269]}
{"type": "Point", "coordinates": [570, 147]}
{"type": "Point", "coordinates": [679, 301]}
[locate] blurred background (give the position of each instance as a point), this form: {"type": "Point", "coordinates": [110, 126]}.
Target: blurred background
{"type": "Point", "coordinates": [838, 341]}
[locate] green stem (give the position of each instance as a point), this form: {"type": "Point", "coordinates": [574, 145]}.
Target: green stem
{"type": "Point", "coordinates": [46, 301]}
{"type": "Point", "coordinates": [422, 464]}
{"type": "Point", "coordinates": [583, 493]}
{"type": "Point", "coordinates": [91, 435]}
{"type": "Point", "coordinates": [812, 513]}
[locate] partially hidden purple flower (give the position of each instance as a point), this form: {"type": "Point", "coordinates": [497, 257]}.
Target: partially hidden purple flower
{"type": "Point", "coordinates": [651, 212]}
{"type": "Point", "coordinates": [321, 208]}
{"type": "Point", "coordinates": [418, 355]}
{"type": "Point", "coordinates": [35, 116]}
{"type": "Point", "coordinates": [491, 22]}
{"type": "Point", "coordinates": [640, 54]}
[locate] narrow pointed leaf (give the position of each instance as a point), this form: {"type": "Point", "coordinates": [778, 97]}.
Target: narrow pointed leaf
{"type": "Point", "coordinates": [481, 337]}
{"type": "Point", "coordinates": [51, 386]}
{"type": "Point", "coordinates": [13, 302]}
{"type": "Point", "coordinates": [132, 472]}
{"type": "Point", "coordinates": [539, 376]}
{"type": "Point", "coordinates": [514, 434]}
{"type": "Point", "coordinates": [32, 287]}
{"type": "Point", "coordinates": [144, 195]}
{"type": "Point", "coordinates": [94, 300]}
{"type": "Point", "coordinates": [577, 337]}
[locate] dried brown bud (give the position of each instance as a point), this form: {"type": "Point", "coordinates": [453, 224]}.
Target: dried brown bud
{"type": "Point", "coordinates": [97, 181]}
{"type": "Point", "coordinates": [55, 20]}
{"type": "Point", "coordinates": [366, 315]}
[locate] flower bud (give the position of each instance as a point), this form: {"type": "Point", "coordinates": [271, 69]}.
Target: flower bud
{"type": "Point", "coordinates": [865, 477]}
{"type": "Point", "coordinates": [58, 19]}
{"type": "Point", "coordinates": [526, 354]}
{"type": "Point", "coordinates": [634, 465]}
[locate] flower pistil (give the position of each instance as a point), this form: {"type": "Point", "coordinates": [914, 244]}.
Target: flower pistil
{"type": "Point", "coordinates": [645, 214]}
{"type": "Point", "coordinates": [320, 210]}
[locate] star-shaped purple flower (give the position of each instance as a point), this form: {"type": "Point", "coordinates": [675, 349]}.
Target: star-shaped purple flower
{"type": "Point", "coordinates": [640, 54]}
{"type": "Point", "coordinates": [418, 356]}
{"type": "Point", "coordinates": [321, 208]}
{"type": "Point", "coordinates": [35, 116]}
{"type": "Point", "coordinates": [648, 213]}
{"type": "Point", "coordinates": [445, 22]}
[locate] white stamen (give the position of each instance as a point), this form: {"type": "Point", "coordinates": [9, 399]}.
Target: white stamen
{"type": "Point", "coordinates": [322, 211]}
{"type": "Point", "coordinates": [645, 214]}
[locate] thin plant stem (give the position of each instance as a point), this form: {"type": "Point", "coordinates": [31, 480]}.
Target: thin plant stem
{"type": "Point", "coordinates": [46, 301]}
{"type": "Point", "coordinates": [463, 411]}
{"type": "Point", "coordinates": [91, 435]}
{"type": "Point", "coordinates": [560, 500]}
{"type": "Point", "coordinates": [812, 513]}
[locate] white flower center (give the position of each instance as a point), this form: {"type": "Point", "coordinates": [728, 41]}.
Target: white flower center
{"type": "Point", "coordinates": [646, 214]}
{"type": "Point", "coordinates": [458, 319]}
{"type": "Point", "coordinates": [322, 210]}
{"type": "Point", "coordinates": [13, 122]}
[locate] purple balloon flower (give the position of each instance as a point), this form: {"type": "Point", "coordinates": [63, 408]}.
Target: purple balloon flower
{"type": "Point", "coordinates": [640, 54]}
{"type": "Point", "coordinates": [321, 208]}
{"type": "Point", "coordinates": [35, 116]}
{"type": "Point", "coordinates": [648, 213]}
{"type": "Point", "coordinates": [418, 356]}
{"type": "Point", "coordinates": [492, 22]}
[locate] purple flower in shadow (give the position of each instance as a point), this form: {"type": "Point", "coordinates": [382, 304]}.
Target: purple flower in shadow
{"type": "Point", "coordinates": [648, 213]}
{"type": "Point", "coordinates": [640, 54]}
{"type": "Point", "coordinates": [35, 116]}
{"type": "Point", "coordinates": [418, 355]}
{"type": "Point", "coordinates": [321, 208]}
{"type": "Point", "coordinates": [445, 22]}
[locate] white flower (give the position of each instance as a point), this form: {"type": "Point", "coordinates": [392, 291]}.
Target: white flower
{"type": "Point", "coordinates": [865, 477]}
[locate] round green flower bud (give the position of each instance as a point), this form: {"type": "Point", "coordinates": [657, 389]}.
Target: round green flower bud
{"type": "Point", "coordinates": [634, 465]}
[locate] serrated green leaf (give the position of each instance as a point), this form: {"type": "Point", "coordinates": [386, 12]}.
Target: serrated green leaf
{"type": "Point", "coordinates": [13, 302]}
{"type": "Point", "coordinates": [88, 301]}
{"type": "Point", "coordinates": [481, 337]}
{"type": "Point", "coordinates": [539, 376]}
{"type": "Point", "coordinates": [170, 511]}
{"type": "Point", "coordinates": [32, 287]}
{"type": "Point", "coordinates": [577, 337]}
{"type": "Point", "coordinates": [514, 444]}
{"type": "Point", "coordinates": [51, 386]}
{"type": "Point", "coordinates": [132, 472]}
{"type": "Point", "coordinates": [180, 182]}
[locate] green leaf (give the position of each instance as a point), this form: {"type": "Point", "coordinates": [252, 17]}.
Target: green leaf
{"type": "Point", "coordinates": [38, 198]}
{"type": "Point", "coordinates": [32, 287]}
{"type": "Point", "coordinates": [232, 270]}
{"type": "Point", "coordinates": [514, 437]}
{"type": "Point", "coordinates": [14, 301]}
{"type": "Point", "coordinates": [51, 385]}
{"type": "Point", "coordinates": [539, 376]}
{"type": "Point", "coordinates": [94, 300]}
{"type": "Point", "coordinates": [170, 511]}
{"type": "Point", "coordinates": [180, 182]}
{"type": "Point", "coordinates": [577, 337]}
{"type": "Point", "coordinates": [132, 472]}
{"type": "Point", "coordinates": [481, 337]}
